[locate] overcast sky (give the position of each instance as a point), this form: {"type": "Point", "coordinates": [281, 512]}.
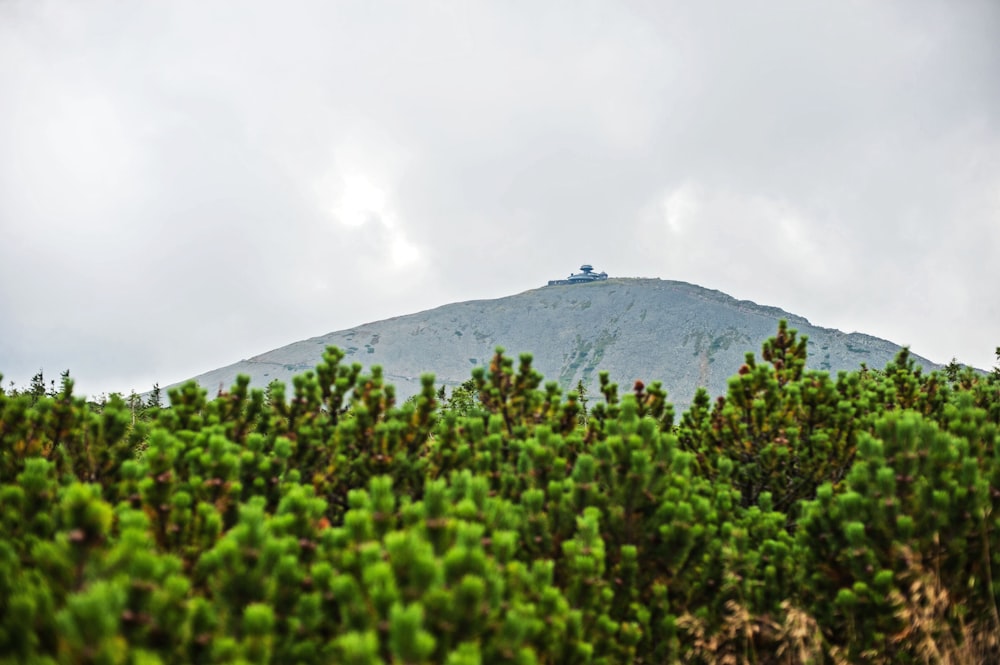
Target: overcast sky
{"type": "Point", "coordinates": [185, 184]}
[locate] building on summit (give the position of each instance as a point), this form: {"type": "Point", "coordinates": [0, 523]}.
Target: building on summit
{"type": "Point", "coordinates": [586, 276]}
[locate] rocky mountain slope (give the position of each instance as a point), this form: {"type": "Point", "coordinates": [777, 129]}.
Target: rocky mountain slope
{"type": "Point", "coordinates": [683, 335]}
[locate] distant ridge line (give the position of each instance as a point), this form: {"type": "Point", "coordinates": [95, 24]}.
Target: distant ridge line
{"type": "Point", "coordinates": [680, 334]}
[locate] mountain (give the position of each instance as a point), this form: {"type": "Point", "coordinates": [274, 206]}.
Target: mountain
{"type": "Point", "coordinates": [683, 335]}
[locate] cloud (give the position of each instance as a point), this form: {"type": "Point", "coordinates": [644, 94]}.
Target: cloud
{"type": "Point", "coordinates": [186, 184]}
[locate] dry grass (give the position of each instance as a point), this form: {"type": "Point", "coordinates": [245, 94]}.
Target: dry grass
{"type": "Point", "coordinates": [800, 639]}
{"type": "Point", "coordinates": [744, 639]}
{"type": "Point", "coordinates": [935, 631]}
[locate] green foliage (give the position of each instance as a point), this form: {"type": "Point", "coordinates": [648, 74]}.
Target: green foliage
{"type": "Point", "coordinates": [798, 518]}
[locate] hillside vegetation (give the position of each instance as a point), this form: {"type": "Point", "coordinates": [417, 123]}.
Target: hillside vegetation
{"type": "Point", "coordinates": [801, 518]}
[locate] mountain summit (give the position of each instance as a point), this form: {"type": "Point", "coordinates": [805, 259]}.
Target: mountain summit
{"type": "Point", "coordinates": [680, 334]}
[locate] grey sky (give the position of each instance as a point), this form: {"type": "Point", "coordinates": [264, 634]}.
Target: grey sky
{"type": "Point", "coordinates": [184, 184]}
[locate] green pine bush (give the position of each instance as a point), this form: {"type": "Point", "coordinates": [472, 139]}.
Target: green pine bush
{"type": "Point", "coordinates": [800, 518]}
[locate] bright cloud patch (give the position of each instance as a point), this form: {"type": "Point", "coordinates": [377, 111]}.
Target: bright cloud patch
{"type": "Point", "coordinates": [360, 201]}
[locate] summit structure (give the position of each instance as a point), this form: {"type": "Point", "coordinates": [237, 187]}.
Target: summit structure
{"type": "Point", "coordinates": [585, 276]}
